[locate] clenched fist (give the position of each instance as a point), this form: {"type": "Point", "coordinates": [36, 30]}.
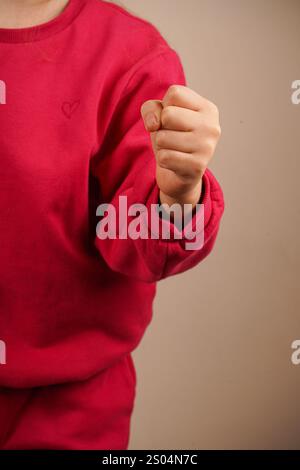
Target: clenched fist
{"type": "Point", "coordinates": [185, 130]}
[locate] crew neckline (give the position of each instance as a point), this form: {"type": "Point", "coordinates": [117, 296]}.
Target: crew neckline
{"type": "Point", "coordinates": [43, 30]}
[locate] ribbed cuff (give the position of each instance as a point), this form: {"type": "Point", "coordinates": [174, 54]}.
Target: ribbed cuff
{"type": "Point", "coordinates": [160, 227]}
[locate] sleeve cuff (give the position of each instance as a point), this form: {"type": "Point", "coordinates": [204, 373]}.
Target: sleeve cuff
{"type": "Point", "coordinates": [160, 227]}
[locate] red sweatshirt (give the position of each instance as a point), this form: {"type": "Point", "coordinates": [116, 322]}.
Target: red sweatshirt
{"type": "Point", "coordinates": [71, 138]}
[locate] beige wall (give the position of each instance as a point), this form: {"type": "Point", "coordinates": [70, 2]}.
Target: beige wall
{"type": "Point", "coordinates": [214, 370]}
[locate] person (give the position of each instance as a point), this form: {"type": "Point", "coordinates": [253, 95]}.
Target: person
{"type": "Point", "coordinates": [96, 109]}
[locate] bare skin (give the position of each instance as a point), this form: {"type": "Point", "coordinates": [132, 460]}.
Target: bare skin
{"type": "Point", "coordinates": [185, 130]}
{"type": "Point", "coordinates": [28, 13]}
{"type": "Point", "coordinates": [184, 127]}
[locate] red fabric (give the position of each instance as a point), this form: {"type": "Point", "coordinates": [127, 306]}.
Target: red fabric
{"type": "Point", "coordinates": [73, 305]}
{"type": "Point", "coordinates": [90, 415]}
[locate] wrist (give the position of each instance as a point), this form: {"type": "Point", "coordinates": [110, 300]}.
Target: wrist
{"type": "Point", "coordinates": [190, 197]}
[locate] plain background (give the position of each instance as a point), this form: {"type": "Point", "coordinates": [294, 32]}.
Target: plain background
{"type": "Point", "coordinates": [214, 369]}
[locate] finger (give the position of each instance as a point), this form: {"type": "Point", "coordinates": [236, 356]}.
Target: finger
{"type": "Point", "coordinates": [183, 164]}
{"type": "Point", "coordinates": [151, 114]}
{"type": "Point", "coordinates": [180, 119]}
{"type": "Point", "coordinates": [184, 97]}
{"type": "Point", "coordinates": [175, 140]}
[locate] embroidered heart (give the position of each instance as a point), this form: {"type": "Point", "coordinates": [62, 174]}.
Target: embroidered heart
{"type": "Point", "coordinates": [69, 108]}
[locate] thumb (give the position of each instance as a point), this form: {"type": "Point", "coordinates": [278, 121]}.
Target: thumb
{"type": "Point", "coordinates": [151, 114]}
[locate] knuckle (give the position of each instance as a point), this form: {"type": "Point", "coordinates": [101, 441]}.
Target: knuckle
{"type": "Point", "coordinates": [217, 131]}
{"type": "Point", "coordinates": [208, 130]}
{"type": "Point", "coordinates": [174, 90]}
{"type": "Point", "coordinates": [208, 148]}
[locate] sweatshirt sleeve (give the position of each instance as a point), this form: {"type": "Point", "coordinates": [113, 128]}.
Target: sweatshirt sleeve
{"type": "Point", "coordinates": [125, 171]}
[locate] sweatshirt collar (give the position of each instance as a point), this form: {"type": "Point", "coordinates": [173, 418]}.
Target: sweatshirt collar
{"type": "Point", "coordinates": [44, 30]}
